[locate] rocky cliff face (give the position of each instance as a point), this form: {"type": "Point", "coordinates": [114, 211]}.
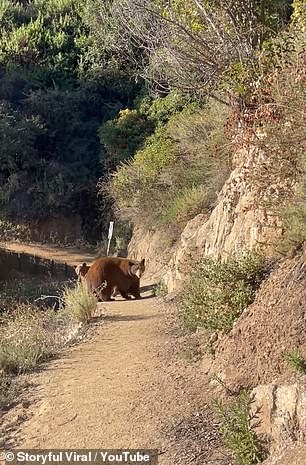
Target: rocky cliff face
{"type": "Point", "coordinates": [239, 220]}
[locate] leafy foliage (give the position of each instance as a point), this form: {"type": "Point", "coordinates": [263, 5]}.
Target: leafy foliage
{"type": "Point", "coordinates": [52, 102]}
{"type": "Point", "coordinates": [74, 107]}
{"type": "Point", "coordinates": [180, 169]}
{"type": "Point", "coordinates": [296, 360]}
{"type": "Point", "coordinates": [217, 293]}
{"type": "Point", "coordinates": [237, 432]}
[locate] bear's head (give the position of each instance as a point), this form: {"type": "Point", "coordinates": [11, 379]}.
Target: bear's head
{"type": "Point", "coordinates": [138, 268]}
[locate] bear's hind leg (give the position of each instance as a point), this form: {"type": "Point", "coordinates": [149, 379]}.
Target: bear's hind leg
{"type": "Point", "coordinates": [105, 293]}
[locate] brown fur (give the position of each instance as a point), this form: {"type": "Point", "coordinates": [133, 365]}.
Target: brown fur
{"type": "Point", "coordinates": [110, 274]}
{"type": "Point", "coordinates": [81, 271]}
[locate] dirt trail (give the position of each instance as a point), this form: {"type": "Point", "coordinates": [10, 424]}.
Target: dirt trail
{"type": "Point", "coordinates": [52, 252]}
{"type": "Point", "coordinates": [100, 394]}
{"type": "Point", "coordinates": [117, 390]}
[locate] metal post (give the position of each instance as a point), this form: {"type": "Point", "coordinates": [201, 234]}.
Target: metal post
{"type": "Point", "coordinates": [110, 235]}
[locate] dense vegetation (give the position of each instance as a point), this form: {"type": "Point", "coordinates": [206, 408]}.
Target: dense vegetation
{"type": "Point", "coordinates": [136, 97]}
{"type": "Point", "coordinates": [228, 62]}
{"type": "Point", "coordinates": [54, 95]}
{"type": "Point", "coordinates": [217, 293]}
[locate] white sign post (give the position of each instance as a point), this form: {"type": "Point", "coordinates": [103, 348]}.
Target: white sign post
{"type": "Point", "coordinates": [110, 235]}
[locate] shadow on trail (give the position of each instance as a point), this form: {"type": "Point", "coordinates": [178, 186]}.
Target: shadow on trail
{"type": "Point", "coordinates": [149, 287]}
{"type": "Point", "coordinates": [145, 297]}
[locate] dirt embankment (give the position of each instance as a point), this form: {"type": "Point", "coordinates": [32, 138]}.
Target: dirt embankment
{"type": "Point", "coordinates": [253, 352]}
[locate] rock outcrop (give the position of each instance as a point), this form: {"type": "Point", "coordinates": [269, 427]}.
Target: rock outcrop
{"type": "Point", "coordinates": [279, 415]}
{"type": "Point", "coordinates": [240, 219]}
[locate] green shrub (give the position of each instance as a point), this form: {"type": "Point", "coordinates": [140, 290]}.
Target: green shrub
{"type": "Point", "coordinates": [160, 290]}
{"type": "Point", "coordinates": [134, 183]}
{"type": "Point", "coordinates": [237, 431]}
{"type": "Point", "coordinates": [296, 360]}
{"type": "Point", "coordinates": [186, 205]}
{"type": "Point", "coordinates": [27, 340]}
{"type": "Point", "coordinates": [161, 109]}
{"type": "Point", "coordinates": [217, 293]}
{"type": "Point", "coordinates": [179, 172]}
{"type": "Point", "coordinates": [79, 303]}
{"type": "Point", "coordinates": [122, 136]}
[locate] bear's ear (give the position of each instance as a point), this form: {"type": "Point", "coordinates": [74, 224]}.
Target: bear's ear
{"type": "Point", "coordinates": [84, 264]}
{"type": "Point", "coordinates": [75, 266]}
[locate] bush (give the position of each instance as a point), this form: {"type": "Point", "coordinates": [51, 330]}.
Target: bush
{"type": "Point", "coordinates": [13, 232]}
{"type": "Point", "coordinates": [161, 109]}
{"type": "Point", "coordinates": [122, 136]}
{"type": "Point", "coordinates": [295, 360]}
{"type": "Point", "coordinates": [237, 432]}
{"type": "Point", "coordinates": [186, 205]}
{"type": "Point", "coordinates": [179, 172]}
{"type": "Point", "coordinates": [133, 185]}
{"type": "Point", "coordinates": [27, 340]}
{"type": "Point", "coordinates": [217, 293]}
{"type": "Point", "coordinates": [79, 303]}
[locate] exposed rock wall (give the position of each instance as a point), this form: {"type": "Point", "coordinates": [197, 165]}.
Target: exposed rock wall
{"type": "Point", "coordinates": [151, 245]}
{"type": "Point", "coordinates": [238, 220]}
{"type": "Point", "coordinates": [279, 412]}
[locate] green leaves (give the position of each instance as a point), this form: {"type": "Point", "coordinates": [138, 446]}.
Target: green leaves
{"type": "Point", "coordinates": [52, 102]}
{"type": "Point", "coordinates": [217, 293]}
{"type": "Point", "coordinates": [237, 431]}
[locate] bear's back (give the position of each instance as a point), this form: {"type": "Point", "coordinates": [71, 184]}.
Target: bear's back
{"type": "Point", "coordinates": [114, 270]}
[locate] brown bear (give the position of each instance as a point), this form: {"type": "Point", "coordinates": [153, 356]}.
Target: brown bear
{"type": "Point", "coordinates": [109, 275]}
{"type": "Point", "coordinates": [81, 271]}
